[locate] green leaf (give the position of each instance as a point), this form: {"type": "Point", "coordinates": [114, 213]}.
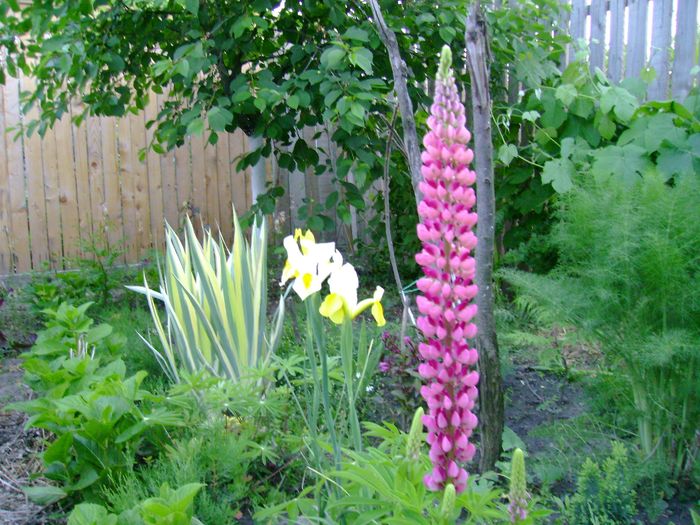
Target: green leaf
{"type": "Point", "coordinates": [355, 33]}
{"type": "Point", "coordinates": [192, 6]}
{"type": "Point", "coordinates": [531, 116]}
{"type": "Point", "coordinates": [293, 101]}
{"type": "Point", "coordinates": [506, 153]}
{"type": "Point", "coordinates": [362, 57]}
{"type": "Point", "coordinates": [626, 162]}
{"type": "Point", "coordinates": [332, 57]}
{"type": "Point", "coordinates": [566, 93]}
{"type": "Point", "coordinates": [447, 34]}
{"type": "Point", "coordinates": [621, 100]}
{"type": "Point", "coordinates": [219, 118]}
{"type": "Point", "coordinates": [91, 514]}
{"type": "Point", "coordinates": [44, 495]}
{"type": "Point", "coordinates": [196, 126]}
{"type": "Point", "coordinates": [605, 125]}
{"type": "Point", "coordinates": [559, 172]}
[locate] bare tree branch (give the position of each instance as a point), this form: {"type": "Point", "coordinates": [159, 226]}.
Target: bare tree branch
{"type": "Point", "coordinates": [400, 73]}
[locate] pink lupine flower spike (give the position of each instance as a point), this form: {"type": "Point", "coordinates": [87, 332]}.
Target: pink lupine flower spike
{"type": "Point", "coordinates": [446, 304]}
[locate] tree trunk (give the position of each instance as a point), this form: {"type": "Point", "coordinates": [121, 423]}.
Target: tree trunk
{"type": "Point", "coordinates": [491, 393]}
{"type": "Point", "coordinates": [400, 74]}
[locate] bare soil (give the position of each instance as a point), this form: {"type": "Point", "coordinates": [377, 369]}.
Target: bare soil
{"type": "Point", "coordinates": [18, 452]}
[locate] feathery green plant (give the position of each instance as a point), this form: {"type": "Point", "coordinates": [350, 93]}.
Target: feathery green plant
{"type": "Point", "coordinates": [215, 304]}
{"type": "Point", "coordinates": [629, 277]}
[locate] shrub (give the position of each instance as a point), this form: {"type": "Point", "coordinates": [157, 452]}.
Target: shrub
{"type": "Point", "coordinates": [629, 276]}
{"type": "Point", "coordinates": [604, 496]}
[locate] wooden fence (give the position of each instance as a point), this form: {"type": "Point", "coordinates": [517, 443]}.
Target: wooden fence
{"type": "Point", "coordinates": [78, 182]}
{"type": "Point", "coordinates": [626, 36]}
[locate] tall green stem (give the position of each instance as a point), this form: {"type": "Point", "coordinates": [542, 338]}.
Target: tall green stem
{"type": "Point", "coordinates": [314, 319]}
{"type": "Point", "coordinates": [347, 355]}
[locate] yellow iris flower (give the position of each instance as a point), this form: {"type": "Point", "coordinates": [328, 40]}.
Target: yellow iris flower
{"type": "Point", "coordinates": [342, 303]}
{"type": "Point", "coordinates": [309, 263]}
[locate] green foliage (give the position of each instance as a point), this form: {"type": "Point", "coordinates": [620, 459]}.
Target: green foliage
{"type": "Point", "coordinates": [604, 496]}
{"type": "Point", "coordinates": [238, 457]}
{"type": "Point", "coordinates": [578, 123]}
{"type": "Point", "coordinates": [382, 485]}
{"type": "Point", "coordinates": [97, 415]}
{"type": "Point", "coordinates": [215, 303]}
{"type": "Point", "coordinates": [170, 507]}
{"type": "Point", "coordinates": [628, 277]}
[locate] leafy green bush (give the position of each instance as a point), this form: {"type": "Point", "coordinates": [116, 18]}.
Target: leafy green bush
{"type": "Point", "coordinates": [628, 277]}
{"type": "Point", "coordinates": [97, 415]}
{"type": "Point", "coordinates": [604, 496]}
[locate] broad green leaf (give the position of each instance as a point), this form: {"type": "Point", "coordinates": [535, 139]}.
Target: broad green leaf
{"type": "Point", "coordinates": [44, 495]}
{"type": "Point", "coordinates": [196, 127]}
{"type": "Point", "coordinates": [362, 57]}
{"type": "Point", "coordinates": [626, 162]}
{"type": "Point", "coordinates": [621, 100]}
{"type": "Point", "coordinates": [531, 116]}
{"type": "Point", "coordinates": [219, 118]}
{"type": "Point", "coordinates": [192, 6]}
{"type": "Point", "coordinates": [91, 514]}
{"type": "Point", "coordinates": [507, 152]}
{"type": "Point", "coordinates": [566, 93]}
{"type": "Point", "coordinates": [356, 33]}
{"type": "Point", "coordinates": [559, 172]}
{"type": "Point", "coordinates": [332, 57]}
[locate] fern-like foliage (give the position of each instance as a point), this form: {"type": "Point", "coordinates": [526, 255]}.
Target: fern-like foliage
{"type": "Point", "coordinates": [629, 276]}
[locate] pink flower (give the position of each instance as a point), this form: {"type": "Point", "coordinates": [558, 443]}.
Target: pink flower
{"type": "Point", "coordinates": [445, 306]}
{"type": "Point", "coordinates": [384, 366]}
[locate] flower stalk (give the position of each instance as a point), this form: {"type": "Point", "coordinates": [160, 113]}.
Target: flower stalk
{"type": "Point", "coordinates": [447, 287]}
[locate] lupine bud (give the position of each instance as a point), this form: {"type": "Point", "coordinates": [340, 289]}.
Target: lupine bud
{"type": "Point", "coordinates": [448, 265]}
{"type": "Point", "coordinates": [517, 507]}
{"type": "Point", "coordinates": [414, 442]}
{"type": "Point", "coordinates": [447, 507]}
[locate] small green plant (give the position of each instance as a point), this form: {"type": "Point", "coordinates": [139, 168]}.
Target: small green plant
{"type": "Point", "coordinates": [604, 496]}
{"type": "Point", "coordinates": [170, 507]}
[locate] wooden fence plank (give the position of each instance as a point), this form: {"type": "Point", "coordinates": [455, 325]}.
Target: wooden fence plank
{"type": "Point", "coordinates": [67, 199]}
{"type": "Point", "coordinates": [155, 182]}
{"type": "Point", "coordinates": [93, 129]}
{"type": "Point", "coordinates": [636, 38]}
{"type": "Point", "coordinates": [197, 174]}
{"type": "Point", "coordinates": [211, 184]}
{"type": "Point", "coordinates": [141, 184]}
{"type": "Point", "coordinates": [237, 147]}
{"type": "Point", "coordinates": [127, 162]}
{"type": "Point", "coordinates": [577, 25]}
{"type": "Point", "coordinates": [183, 175]}
{"type": "Point", "coordinates": [224, 172]}
{"type": "Point", "coordinates": [660, 47]}
{"type": "Point", "coordinates": [41, 169]}
{"type": "Point", "coordinates": [167, 170]}
{"type": "Point", "coordinates": [685, 45]}
{"type": "Point", "coordinates": [598, 19]}
{"type": "Point", "coordinates": [113, 214]}
{"type": "Point", "coordinates": [18, 214]}
{"type": "Point", "coordinates": [82, 176]}
{"type": "Point", "coordinates": [6, 263]}
{"type": "Point", "coordinates": [617, 42]}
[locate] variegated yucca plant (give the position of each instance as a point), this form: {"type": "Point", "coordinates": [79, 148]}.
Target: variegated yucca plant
{"type": "Point", "coordinates": [215, 304]}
